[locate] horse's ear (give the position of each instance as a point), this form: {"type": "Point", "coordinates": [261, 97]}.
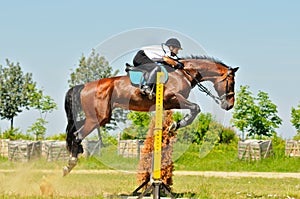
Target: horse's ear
{"type": "Point", "coordinates": [235, 69]}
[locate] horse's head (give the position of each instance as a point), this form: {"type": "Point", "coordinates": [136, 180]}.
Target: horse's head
{"type": "Point", "coordinates": [224, 85]}
{"type": "Point", "coordinates": [222, 76]}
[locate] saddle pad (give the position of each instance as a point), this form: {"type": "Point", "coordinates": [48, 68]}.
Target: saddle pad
{"type": "Point", "coordinates": [137, 77]}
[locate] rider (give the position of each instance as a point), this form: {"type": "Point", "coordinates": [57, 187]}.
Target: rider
{"type": "Point", "coordinates": [148, 57]}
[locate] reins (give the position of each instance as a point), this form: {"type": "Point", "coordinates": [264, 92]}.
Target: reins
{"type": "Point", "coordinates": [203, 89]}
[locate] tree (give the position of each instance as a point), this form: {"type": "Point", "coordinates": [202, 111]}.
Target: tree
{"type": "Point", "coordinates": [44, 104]}
{"type": "Point", "coordinates": [295, 115]}
{"type": "Point", "coordinates": [90, 69]}
{"type": "Point", "coordinates": [265, 119]}
{"type": "Point", "coordinates": [257, 115]}
{"type": "Point", "coordinates": [19, 92]}
{"type": "Point", "coordinates": [93, 68]}
{"type": "Point", "coordinates": [38, 129]}
{"type": "Point", "coordinates": [16, 89]}
{"type": "Point", "coordinates": [140, 125]}
{"type": "Point", "coordinates": [243, 106]}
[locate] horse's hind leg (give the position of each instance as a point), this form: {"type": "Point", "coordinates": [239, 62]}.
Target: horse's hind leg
{"type": "Point", "coordinates": [96, 116]}
{"type": "Point", "coordinates": [88, 126]}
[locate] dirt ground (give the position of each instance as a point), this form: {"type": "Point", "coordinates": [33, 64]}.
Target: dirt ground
{"type": "Point", "coordinates": [182, 173]}
{"type": "Point", "coordinates": [86, 183]}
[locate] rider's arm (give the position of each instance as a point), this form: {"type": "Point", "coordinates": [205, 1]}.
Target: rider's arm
{"type": "Point", "coordinates": [175, 63]}
{"type": "Point", "coordinates": [159, 60]}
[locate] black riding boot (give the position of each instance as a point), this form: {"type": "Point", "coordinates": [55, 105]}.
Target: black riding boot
{"type": "Point", "coordinates": [149, 87]}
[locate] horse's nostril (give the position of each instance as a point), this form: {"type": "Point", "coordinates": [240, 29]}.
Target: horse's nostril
{"type": "Point", "coordinates": [226, 106]}
{"type": "Point", "coordinates": [229, 107]}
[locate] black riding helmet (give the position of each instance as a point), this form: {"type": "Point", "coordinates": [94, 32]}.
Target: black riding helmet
{"type": "Point", "coordinates": [173, 42]}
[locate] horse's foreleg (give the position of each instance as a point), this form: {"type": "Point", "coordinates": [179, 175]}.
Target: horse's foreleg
{"type": "Point", "coordinates": [189, 118]}
{"type": "Point", "coordinates": [183, 103]}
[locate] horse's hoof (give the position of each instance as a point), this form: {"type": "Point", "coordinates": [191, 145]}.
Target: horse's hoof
{"type": "Point", "coordinates": [65, 171]}
{"type": "Point", "coordinates": [72, 162]}
{"type": "Point", "coordinates": [173, 127]}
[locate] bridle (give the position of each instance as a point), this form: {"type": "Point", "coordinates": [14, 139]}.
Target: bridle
{"type": "Point", "coordinates": [217, 99]}
{"type": "Point", "coordinates": [227, 93]}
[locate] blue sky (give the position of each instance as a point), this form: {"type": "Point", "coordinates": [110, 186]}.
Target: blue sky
{"type": "Point", "coordinates": [261, 37]}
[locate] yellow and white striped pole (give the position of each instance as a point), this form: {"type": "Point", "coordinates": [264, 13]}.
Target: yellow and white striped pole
{"type": "Point", "coordinates": [158, 126]}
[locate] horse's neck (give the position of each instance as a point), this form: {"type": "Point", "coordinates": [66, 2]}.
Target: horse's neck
{"type": "Point", "coordinates": [208, 71]}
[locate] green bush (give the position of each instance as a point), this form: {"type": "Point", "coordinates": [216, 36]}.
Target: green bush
{"type": "Point", "coordinates": [203, 124]}
{"type": "Point", "coordinates": [60, 137]}
{"type": "Point", "coordinates": [134, 132]}
{"type": "Point", "coordinates": [195, 131]}
{"type": "Point", "coordinates": [16, 134]}
{"type": "Point", "coordinates": [128, 135]}
{"type": "Point", "coordinates": [108, 139]}
{"type": "Point", "coordinates": [140, 124]}
{"type": "Point", "coordinates": [177, 116]}
{"type": "Point", "coordinates": [296, 137]}
{"type": "Point", "coordinates": [228, 135]}
{"type": "Point", "coordinates": [278, 145]}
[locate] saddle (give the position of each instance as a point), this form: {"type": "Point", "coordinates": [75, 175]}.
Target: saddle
{"type": "Point", "coordinates": [137, 75]}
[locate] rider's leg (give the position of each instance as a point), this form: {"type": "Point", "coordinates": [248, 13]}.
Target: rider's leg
{"type": "Point", "coordinates": [152, 75]}
{"type": "Point", "coordinates": [141, 60]}
{"type": "Point", "coordinates": [151, 79]}
{"type": "Point", "coordinates": [149, 89]}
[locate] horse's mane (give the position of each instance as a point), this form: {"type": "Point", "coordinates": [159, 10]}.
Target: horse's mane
{"type": "Point", "coordinates": [204, 57]}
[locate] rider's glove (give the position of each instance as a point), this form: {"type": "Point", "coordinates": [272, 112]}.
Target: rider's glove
{"type": "Point", "coordinates": [179, 65]}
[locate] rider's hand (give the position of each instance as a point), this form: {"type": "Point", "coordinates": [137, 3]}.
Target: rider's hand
{"type": "Point", "coordinates": [179, 65]}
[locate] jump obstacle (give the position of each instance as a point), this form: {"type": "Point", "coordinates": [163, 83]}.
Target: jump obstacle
{"type": "Point", "coordinates": [156, 183]}
{"type": "Point", "coordinates": [146, 157]}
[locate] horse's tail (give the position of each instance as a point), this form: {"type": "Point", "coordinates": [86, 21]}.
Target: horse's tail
{"type": "Point", "coordinates": [73, 108]}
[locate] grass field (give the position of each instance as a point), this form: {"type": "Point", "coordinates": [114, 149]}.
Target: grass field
{"type": "Point", "coordinates": [224, 158]}
{"type": "Point", "coordinates": [23, 180]}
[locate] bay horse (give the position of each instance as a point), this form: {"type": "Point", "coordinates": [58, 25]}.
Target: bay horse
{"type": "Point", "coordinates": [97, 99]}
